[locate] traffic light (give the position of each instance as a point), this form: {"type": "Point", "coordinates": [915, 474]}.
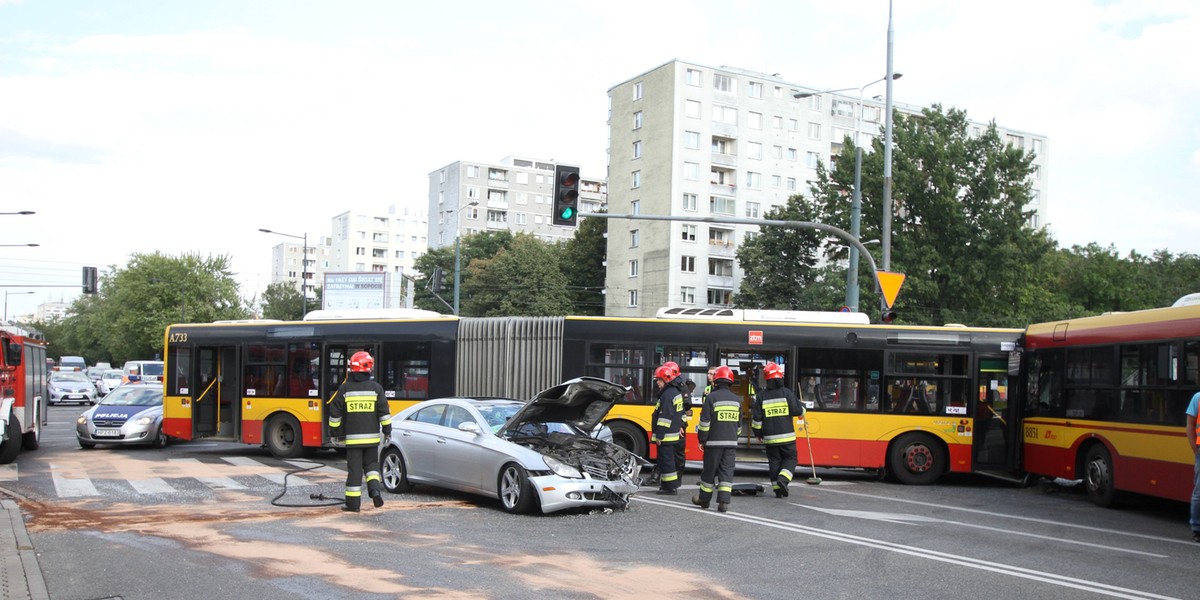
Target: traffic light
{"type": "Point", "coordinates": [566, 195]}
{"type": "Point", "coordinates": [89, 280]}
{"type": "Point", "coordinates": [888, 316]}
{"type": "Point", "coordinates": [435, 281]}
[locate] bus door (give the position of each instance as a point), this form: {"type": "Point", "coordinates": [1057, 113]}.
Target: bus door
{"type": "Point", "coordinates": [335, 369]}
{"type": "Point", "coordinates": [747, 367]}
{"type": "Point", "coordinates": [992, 417]}
{"type": "Point", "coordinates": [216, 402]}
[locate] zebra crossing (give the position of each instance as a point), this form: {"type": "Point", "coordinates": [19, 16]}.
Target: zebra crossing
{"type": "Point", "coordinates": [92, 476]}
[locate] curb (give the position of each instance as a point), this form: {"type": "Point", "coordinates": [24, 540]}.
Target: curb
{"type": "Point", "coordinates": [31, 573]}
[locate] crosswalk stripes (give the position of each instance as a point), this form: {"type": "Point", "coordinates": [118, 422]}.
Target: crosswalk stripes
{"type": "Point", "coordinates": [75, 479]}
{"type": "Point", "coordinates": [8, 472]}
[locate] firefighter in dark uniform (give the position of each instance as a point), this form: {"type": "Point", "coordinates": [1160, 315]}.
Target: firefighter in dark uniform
{"type": "Point", "coordinates": [668, 420]}
{"type": "Point", "coordinates": [773, 419]}
{"type": "Point", "coordinates": [718, 432]}
{"type": "Point", "coordinates": [681, 384]}
{"type": "Point", "coordinates": [357, 412]}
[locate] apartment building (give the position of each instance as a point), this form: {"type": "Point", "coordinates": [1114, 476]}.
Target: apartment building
{"type": "Point", "coordinates": [515, 194]}
{"type": "Point", "coordinates": [699, 141]}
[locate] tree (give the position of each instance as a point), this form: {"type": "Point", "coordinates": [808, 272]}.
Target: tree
{"type": "Point", "coordinates": [281, 300]}
{"type": "Point", "coordinates": [779, 265]}
{"type": "Point", "coordinates": [583, 258]}
{"type": "Point", "coordinates": [480, 245]}
{"type": "Point", "coordinates": [523, 279]}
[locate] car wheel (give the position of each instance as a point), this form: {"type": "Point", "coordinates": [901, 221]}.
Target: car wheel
{"type": "Point", "coordinates": [391, 467]}
{"type": "Point", "coordinates": [160, 440]}
{"type": "Point", "coordinates": [12, 442]}
{"type": "Point", "coordinates": [1098, 476]}
{"type": "Point", "coordinates": [630, 437]}
{"type": "Point", "coordinates": [284, 438]}
{"type": "Point", "coordinates": [916, 459]}
{"type": "Point", "coordinates": [516, 495]}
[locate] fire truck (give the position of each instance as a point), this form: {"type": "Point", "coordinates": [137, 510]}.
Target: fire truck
{"type": "Point", "coordinates": [23, 380]}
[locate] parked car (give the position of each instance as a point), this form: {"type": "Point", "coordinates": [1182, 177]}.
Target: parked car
{"type": "Point", "coordinates": [535, 454]}
{"type": "Point", "coordinates": [71, 363]}
{"type": "Point", "coordinates": [130, 414]}
{"type": "Point", "coordinates": [109, 381]}
{"type": "Point", "coordinates": [94, 374]}
{"type": "Point", "coordinates": [71, 386]}
{"type": "Point", "coordinates": [149, 370]}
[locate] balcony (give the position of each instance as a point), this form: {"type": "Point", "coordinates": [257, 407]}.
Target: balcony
{"type": "Point", "coordinates": [718, 281]}
{"type": "Point", "coordinates": [721, 249]}
{"type": "Point", "coordinates": [724, 160]}
{"type": "Point", "coordinates": [724, 129]}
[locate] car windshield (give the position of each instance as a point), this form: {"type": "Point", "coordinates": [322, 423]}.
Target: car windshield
{"type": "Point", "coordinates": [113, 374]}
{"type": "Point", "coordinates": [68, 376]}
{"type": "Point", "coordinates": [134, 396]}
{"type": "Point", "coordinates": [152, 369]}
{"type": "Point", "coordinates": [498, 414]}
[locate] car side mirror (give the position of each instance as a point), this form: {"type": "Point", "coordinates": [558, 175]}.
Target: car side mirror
{"type": "Point", "coordinates": [469, 427]}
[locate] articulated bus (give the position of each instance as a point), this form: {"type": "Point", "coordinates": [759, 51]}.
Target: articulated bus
{"type": "Point", "coordinates": [1105, 399]}
{"type": "Point", "coordinates": [916, 401]}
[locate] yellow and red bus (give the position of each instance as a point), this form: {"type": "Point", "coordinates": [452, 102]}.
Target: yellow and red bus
{"type": "Point", "coordinates": [917, 402]}
{"type": "Point", "coordinates": [1105, 398]}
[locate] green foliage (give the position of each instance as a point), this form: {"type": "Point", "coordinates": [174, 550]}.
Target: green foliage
{"type": "Point", "coordinates": [127, 318]}
{"type": "Point", "coordinates": [481, 245]}
{"type": "Point", "coordinates": [282, 300]}
{"type": "Point", "coordinates": [583, 265]}
{"type": "Point", "coordinates": [524, 279]}
{"type": "Point", "coordinates": [779, 264]}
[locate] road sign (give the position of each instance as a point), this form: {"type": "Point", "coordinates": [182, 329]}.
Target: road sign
{"type": "Point", "coordinates": [890, 283]}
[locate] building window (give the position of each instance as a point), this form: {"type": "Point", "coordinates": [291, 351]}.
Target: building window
{"type": "Point", "coordinates": [793, 125]}
{"type": "Point", "coordinates": [777, 152]}
{"type": "Point", "coordinates": [1016, 141]}
{"type": "Point", "coordinates": [752, 210]}
{"type": "Point", "coordinates": [523, 197]}
{"type": "Point", "coordinates": [497, 175]}
{"type": "Point", "coordinates": [637, 120]}
{"type": "Point", "coordinates": [725, 114]}
{"type": "Point", "coordinates": [635, 207]}
{"type": "Point", "coordinates": [792, 154]}
{"type": "Point", "coordinates": [756, 120]}
{"type": "Point", "coordinates": [687, 264]}
{"type": "Point", "coordinates": [633, 238]}
{"type": "Point", "coordinates": [472, 170]}
{"type": "Point", "coordinates": [522, 218]}
{"type": "Point", "coordinates": [637, 149]}
{"type": "Point", "coordinates": [778, 93]}
{"type": "Point", "coordinates": [472, 192]}
{"type": "Point", "coordinates": [691, 171]}
{"type": "Point", "coordinates": [636, 179]}
{"type": "Point", "coordinates": [814, 102]}
{"type": "Point", "coordinates": [1037, 147]}
{"type": "Point", "coordinates": [756, 89]}
{"type": "Point", "coordinates": [687, 295]}
{"type": "Point", "coordinates": [522, 178]}
{"type": "Point", "coordinates": [871, 113]}
{"type": "Point", "coordinates": [472, 213]}
{"type": "Point", "coordinates": [497, 216]}
{"type": "Point", "coordinates": [722, 146]}
{"type": "Point", "coordinates": [1037, 171]}
{"type": "Point", "coordinates": [633, 268]}
{"type": "Point", "coordinates": [720, 267]}
{"type": "Point", "coordinates": [637, 91]}
{"type": "Point", "coordinates": [753, 180]}
{"type": "Point", "coordinates": [633, 298]}
{"type": "Point", "coordinates": [843, 108]}
{"type": "Point", "coordinates": [691, 108]}
{"type": "Point", "coordinates": [718, 297]}
{"type": "Point", "coordinates": [689, 233]}
{"type": "Point", "coordinates": [723, 83]}
{"type": "Point", "coordinates": [720, 237]}
{"type": "Point", "coordinates": [693, 77]}
{"type": "Point", "coordinates": [776, 181]}
{"type": "Point", "coordinates": [691, 140]}
{"type": "Point", "coordinates": [791, 184]}
{"type": "Point", "coordinates": [754, 150]}
{"type": "Point", "coordinates": [719, 205]}
{"type": "Point", "coordinates": [812, 159]}
{"type": "Point", "coordinates": [777, 122]}
{"type": "Point", "coordinates": [814, 131]}
{"type": "Point", "coordinates": [689, 202]}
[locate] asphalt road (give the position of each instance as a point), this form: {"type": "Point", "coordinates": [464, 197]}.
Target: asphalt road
{"type": "Point", "coordinates": [195, 520]}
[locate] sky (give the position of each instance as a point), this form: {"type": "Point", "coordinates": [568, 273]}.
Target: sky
{"type": "Point", "coordinates": [136, 126]}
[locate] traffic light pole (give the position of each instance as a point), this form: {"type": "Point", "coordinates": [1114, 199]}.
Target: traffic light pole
{"type": "Point", "coordinates": [841, 233]}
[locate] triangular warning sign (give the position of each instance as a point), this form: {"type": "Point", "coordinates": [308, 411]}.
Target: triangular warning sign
{"type": "Point", "coordinates": [890, 283]}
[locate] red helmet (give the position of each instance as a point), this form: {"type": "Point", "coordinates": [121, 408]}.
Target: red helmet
{"type": "Point", "coordinates": [674, 367]}
{"type": "Point", "coordinates": [664, 373]}
{"type": "Point", "coordinates": [773, 371]}
{"type": "Point", "coordinates": [361, 362]}
{"type": "Point", "coordinates": [723, 372]}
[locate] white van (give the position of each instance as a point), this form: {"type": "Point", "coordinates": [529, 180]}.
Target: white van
{"type": "Point", "coordinates": [150, 370]}
{"type": "Point", "coordinates": [72, 363]}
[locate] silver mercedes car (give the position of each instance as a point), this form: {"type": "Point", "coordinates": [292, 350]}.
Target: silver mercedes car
{"type": "Point", "coordinates": [528, 455]}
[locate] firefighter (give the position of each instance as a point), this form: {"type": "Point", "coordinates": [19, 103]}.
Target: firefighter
{"type": "Point", "coordinates": [668, 420]}
{"type": "Point", "coordinates": [773, 419]}
{"type": "Point", "coordinates": [718, 433]}
{"type": "Point", "coordinates": [681, 384]}
{"type": "Point", "coordinates": [357, 412]}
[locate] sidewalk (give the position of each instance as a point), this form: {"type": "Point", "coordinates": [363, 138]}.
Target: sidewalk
{"type": "Point", "coordinates": [20, 576]}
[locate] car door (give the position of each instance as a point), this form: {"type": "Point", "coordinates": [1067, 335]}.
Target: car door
{"type": "Point", "coordinates": [459, 452]}
{"type": "Point", "coordinates": [417, 437]}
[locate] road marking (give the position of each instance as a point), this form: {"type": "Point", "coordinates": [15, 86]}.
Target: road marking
{"type": "Point", "coordinates": [71, 480]}
{"type": "Point", "coordinates": [206, 475]}
{"type": "Point", "coordinates": [8, 472]}
{"type": "Point", "coordinates": [904, 519]}
{"type": "Point", "coordinates": [142, 483]}
{"type": "Point", "coordinates": [254, 467]}
{"type": "Point", "coordinates": [328, 470]}
{"type": "Point", "coordinates": [934, 555]}
{"type": "Point", "coordinates": [989, 513]}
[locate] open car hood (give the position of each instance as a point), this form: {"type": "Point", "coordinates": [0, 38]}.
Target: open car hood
{"type": "Point", "coordinates": [581, 402]}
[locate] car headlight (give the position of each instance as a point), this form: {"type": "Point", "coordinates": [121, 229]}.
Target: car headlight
{"type": "Point", "coordinates": [144, 421]}
{"type": "Point", "coordinates": [82, 420]}
{"type": "Point", "coordinates": [562, 469]}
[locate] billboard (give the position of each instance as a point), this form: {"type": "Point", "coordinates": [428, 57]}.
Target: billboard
{"type": "Point", "coordinates": [355, 290]}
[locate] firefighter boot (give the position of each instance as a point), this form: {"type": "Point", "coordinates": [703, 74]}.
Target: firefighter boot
{"type": "Point", "coordinates": [783, 484]}
{"type": "Point", "coordinates": [722, 507]}
{"type": "Point", "coordinates": [377, 498]}
{"type": "Point", "coordinates": [698, 502]}
{"type": "Point", "coordinates": [352, 503]}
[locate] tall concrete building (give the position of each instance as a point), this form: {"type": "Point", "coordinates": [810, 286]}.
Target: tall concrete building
{"type": "Point", "coordinates": [515, 194]}
{"type": "Point", "coordinates": [692, 140]}
{"type": "Point", "coordinates": [288, 263]}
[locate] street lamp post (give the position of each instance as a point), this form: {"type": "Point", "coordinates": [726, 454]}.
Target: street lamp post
{"type": "Point", "coordinates": [457, 250]}
{"type": "Point", "coordinates": [6, 295]}
{"type": "Point", "coordinates": [303, 267]}
{"type": "Point", "coordinates": [856, 196]}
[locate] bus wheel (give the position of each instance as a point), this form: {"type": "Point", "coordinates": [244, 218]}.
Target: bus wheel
{"type": "Point", "coordinates": [630, 437]}
{"type": "Point", "coordinates": [283, 438]}
{"type": "Point", "coordinates": [1098, 476]}
{"type": "Point", "coordinates": [916, 459]}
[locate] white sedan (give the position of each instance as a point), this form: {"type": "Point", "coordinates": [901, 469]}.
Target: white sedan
{"type": "Point", "coordinates": [528, 455]}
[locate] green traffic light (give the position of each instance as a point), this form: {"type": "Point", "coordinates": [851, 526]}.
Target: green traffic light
{"type": "Point", "coordinates": [567, 212]}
